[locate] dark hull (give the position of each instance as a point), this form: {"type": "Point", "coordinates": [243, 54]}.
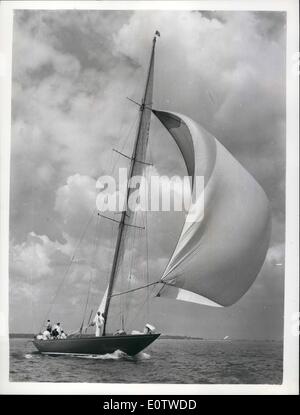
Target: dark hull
{"type": "Point", "coordinates": [129, 344]}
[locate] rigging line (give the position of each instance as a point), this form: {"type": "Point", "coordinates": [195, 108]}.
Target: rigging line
{"type": "Point", "coordinates": [88, 323]}
{"type": "Point", "coordinates": [144, 300]}
{"type": "Point", "coordinates": [147, 261]}
{"type": "Point", "coordinates": [114, 317]}
{"type": "Point", "coordinates": [121, 305]}
{"type": "Point", "coordinates": [121, 277]}
{"type": "Point", "coordinates": [110, 167]}
{"type": "Point", "coordinates": [140, 308]}
{"type": "Point", "coordinates": [137, 314]}
{"type": "Point", "coordinates": [110, 248]}
{"type": "Point", "coordinates": [133, 247]}
{"type": "Point", "coordinates": [147, 226]}
{"type": "Point", "coordinates": [139, 271]}
{"type": "Point", "coordinates": [83, 232]}
{"type": "Point", "coordinates": [86, 304]}
{"type": "Point", "coordinates": [68, 268]}
{"type": "Point", "coordinates": [140, 288]}
{"type": "Point", "coordinates": [133, 240]}
{"type": "Point", "coordinates": [188, 258]}
{"type": "Point", "coordinates": [140, 239]}
{"type": "Point", "coordinates": [128, 236]}
{"type": "Point", "coordinates": [125, 142]}
{"type": "Point", "coordinates": [95, 243]}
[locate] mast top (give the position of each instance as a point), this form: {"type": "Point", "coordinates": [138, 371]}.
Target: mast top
{"type": "Point", "coordinates": [155, 35]}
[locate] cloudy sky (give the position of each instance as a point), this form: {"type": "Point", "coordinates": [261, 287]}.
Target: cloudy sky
{"type": "Point", "coordinates": [72, 72]}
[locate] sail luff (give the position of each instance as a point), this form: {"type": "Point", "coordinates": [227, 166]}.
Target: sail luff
{"type": "Point", "coordinates": [138, 154]}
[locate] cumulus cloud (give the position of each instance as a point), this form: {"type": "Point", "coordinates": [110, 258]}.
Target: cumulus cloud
{"type": "Point", "coordinates": [76, 196]}
{"type": "Point", "coordinates": [72, 71]}
{"type": "Point", "coordinates": [32, 257]}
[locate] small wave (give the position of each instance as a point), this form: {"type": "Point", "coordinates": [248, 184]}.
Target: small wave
{"type": "Point", "coordinates": [143, 356]}
{"type": "Point", "coordinates": [118, 354]}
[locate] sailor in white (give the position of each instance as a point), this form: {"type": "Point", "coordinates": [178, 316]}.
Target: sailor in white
{"type": "Point", "coordinates": [63, 335]}
{"type": "Point", "coordinates": [99, 322]}
{"type": "Point", "coordinates": [46, 335]}
{"type": "Point", "coordinates": [149, 329]}
{"type": "Point", "coordinates": [49, 326]}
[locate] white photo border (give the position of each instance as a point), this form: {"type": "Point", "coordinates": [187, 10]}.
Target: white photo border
{"type": "Point", "coordinates": [291, 304]}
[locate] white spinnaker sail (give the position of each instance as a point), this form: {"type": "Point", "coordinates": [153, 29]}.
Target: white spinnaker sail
{"type": "Point", "coordinates": [222, 249]}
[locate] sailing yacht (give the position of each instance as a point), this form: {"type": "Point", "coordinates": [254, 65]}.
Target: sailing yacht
{"type": "Point", "coordinates": [219, 252]}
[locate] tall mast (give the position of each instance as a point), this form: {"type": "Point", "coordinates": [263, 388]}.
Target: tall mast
{"type": "Point", "coordinates": [138, 157]}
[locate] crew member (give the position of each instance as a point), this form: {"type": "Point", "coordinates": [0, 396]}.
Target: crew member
{"type": "Point", "coordinates": [46, 335]}
{"type": "Point", "coordinates": [49, 326]}
{"type": "Point", "coordinates": [98, 322]}
{"type": "Point", "coordinates": [63, 335]}
{"type": "Point", "coordinates": [149, 329]}
{"type": "Point", "coordinates": [56, 332]}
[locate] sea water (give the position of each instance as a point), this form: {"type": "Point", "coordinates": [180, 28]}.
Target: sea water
{"type": "Point", "coordinates": [165, 361]}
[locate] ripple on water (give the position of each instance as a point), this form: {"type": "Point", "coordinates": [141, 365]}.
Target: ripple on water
{"type": "Point", "coordinates": [165, 361]}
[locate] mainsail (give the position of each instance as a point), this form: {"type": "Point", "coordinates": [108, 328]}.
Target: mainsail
{"type": "Point", "coordinates": [224, 240]}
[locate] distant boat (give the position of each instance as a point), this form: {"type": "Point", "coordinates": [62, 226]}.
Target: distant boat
{"type": "Point", "coordinates": [223, 242]}
{"type": "Point", "coordinates": [226, 338]}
